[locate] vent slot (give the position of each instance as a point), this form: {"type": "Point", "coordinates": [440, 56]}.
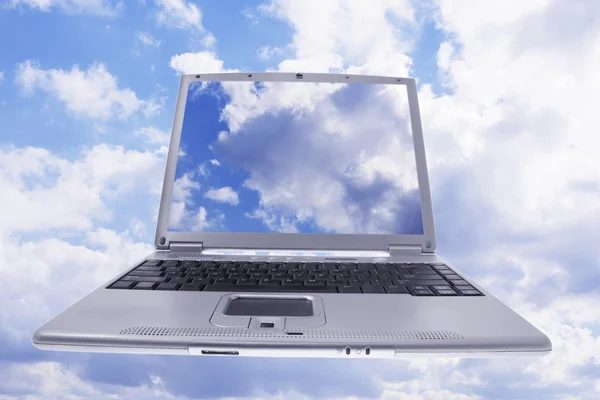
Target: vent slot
{"type": "Point", "coordinates": [199, 256]}
{"type": "Point", "coordinates": [308, 334]}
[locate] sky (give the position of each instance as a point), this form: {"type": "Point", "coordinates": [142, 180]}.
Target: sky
{"type": "Point", "coordinates": [507, 93]}
{"type": "Point", "coordinates": [242, 159]}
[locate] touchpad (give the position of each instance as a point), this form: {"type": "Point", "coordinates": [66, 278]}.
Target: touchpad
{"type": "Point", "coordinates": [270, 307]}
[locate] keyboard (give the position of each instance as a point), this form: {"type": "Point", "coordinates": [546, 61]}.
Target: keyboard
{"type": "Point", "coordinates": [309, 277]}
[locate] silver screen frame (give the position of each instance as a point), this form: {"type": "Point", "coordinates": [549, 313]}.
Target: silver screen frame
{"type": "Point", "coordinates": [296, 241]}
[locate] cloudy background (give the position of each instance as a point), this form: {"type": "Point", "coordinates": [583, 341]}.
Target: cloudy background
{"type": "Point", "coordinates": [244, 166]}
{"type": "Point", "coordinates": [508, 94]}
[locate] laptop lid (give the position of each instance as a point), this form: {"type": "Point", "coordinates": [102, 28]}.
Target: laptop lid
{"type": "Point", "coordinates": [286, 161]}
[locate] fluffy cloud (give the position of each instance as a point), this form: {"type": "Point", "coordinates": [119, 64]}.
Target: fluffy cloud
{"type": "Point", "coordinates": [93, 93]}
{"type": "Point", "coordinates": [147, 40]}
{"type": "Point", "coordinates": [180, 14]}
{"type": "Point", "coordinates": [196, 63]}
{"type": "Point", "coordinates": [267, 52]}
{"type": "Point", "coordinates": [184, 215]}
{"type": "Point", "coordinates": [1, 77]}
{"type": "Point", "coordinates": [53, 380]}
{"type": "Point", "coordinates": [223, 195]}
{"type": "Point", "coordinates": [361, 174]}
{"type": "Point", "coordinates": [153, 135]}
{"type": "Point", "coordinates": [94, 7]}
{"type": "Point", "coordinates": [326, 37]}
{"type": "Point", "coordinates": [34, 181]}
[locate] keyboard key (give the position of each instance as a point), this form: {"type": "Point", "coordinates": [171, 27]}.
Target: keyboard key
{"type": "Point", "coordinates": [442, 287]}
{"type": "Point", "coordinates": [145, 286]}
{"type": "Point", "coordinates": [447, 272]}
{"type": "Point", "coordinates": [180, 281]}
{"type": "Point", "coordinates": [151, 262]}
{"type": "Point", "coordinates": [170, 263]}
{"type": "Point", "coordinates": [446, 292]}
{"type": "Point", "coordinates": [464, 287]}
{"type": "Point", "coordinates": [226, 280]}
{"type": "Point", "coordinates": [429, 282]}
{"type": "Point", "coordinates": [264, 288]}
{"type": "Point", "coordinates": [396, 289]}
{"type": "Point", "coordinates": [247, 282]}
{"type": "Point", "coordinates": [202, 281]}
{"type": "Point", "coordinates": [470, 292]}
{"type": "Point", "coordinates": [269, 282]}
{"type": "Point", "coordinates": [167, 286]}
{"type": "Point", "coordinates": [459, 282]}
{"type": "Point", "coordinates": [422, 271]}
{"type": "Point", "coordinates": [423, 292]}
{"type": "Point", "coordinates": [122, 285]}
{"type": "Point", "coordinates": [130, 278]}
{"type": "Point", "coordinates": [146, 273]}
{"type": "Point", "coordinates": [149, 268]}
{"type": "Point", "coordinates": [191, 287]}
{"type": "Point", "coordinates": [372, 289]}
{"type": "Point", "coordinates": [292, 282]}
{"type": "Point", "coordinates": [349, 289]}
{"type": "Point", "coordinates": [189, 264]}
{"type": "Point", "coordinates": [452, 277]}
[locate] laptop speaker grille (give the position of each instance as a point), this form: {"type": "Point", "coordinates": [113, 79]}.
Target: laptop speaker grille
{"type": "Point", "coordinates": [295, 334]}
{"type": "Point", "coordinates": [198, 256]}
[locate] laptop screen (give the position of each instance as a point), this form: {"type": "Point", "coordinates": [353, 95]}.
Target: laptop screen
{"type": "Point", "coordinates": [296, 157]}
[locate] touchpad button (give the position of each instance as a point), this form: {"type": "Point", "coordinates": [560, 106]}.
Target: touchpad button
{"type": "Point", "coordinates": [269, 307]}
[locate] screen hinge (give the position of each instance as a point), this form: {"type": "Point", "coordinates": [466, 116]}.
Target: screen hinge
{"type": "Point", "coordinates": [396, 250]}
{"type": "Point", "coordinates": [183, 246]}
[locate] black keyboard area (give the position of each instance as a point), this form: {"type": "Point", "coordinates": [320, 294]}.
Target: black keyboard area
{"type": "Point", "coordinates": [310, 277]}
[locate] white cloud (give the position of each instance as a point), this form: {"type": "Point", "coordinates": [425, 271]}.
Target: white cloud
{"type": "Point", "coordinates": [34, 181]}
{"type": "Point", "coordinates": [147, 40]}
{"type": "Point", "coordinates": [184, 215]}
{"type": "Point", "coordinates": [266, 52]}
{"type": "Point", "coordinates": [196, 63]}
{"type": "Point", "coordinates": [94, 7]}
{"type": "Point", "coordinates": [54, 380]}
{"type": "Point", "coordinates": [180, 14]}
{"type": "Point", "coordinates": [153, 135]}
{"type": "Point", "coordinates": [215, 162]}
{"type": "Point", "coordinates": [209, 40]}
{"type": "Point", "coordinates": [93, 93]}
{"type": "Point", "coordinates": [1, 77]}
{"type": "Point", "coordinates": [273, 221]}
{"type": "Point", "coordinates": [223, 195]}
{"type": "Point", "coordinates": [355, 35]}
{"type": "Point", "coordinates": [347, 171]}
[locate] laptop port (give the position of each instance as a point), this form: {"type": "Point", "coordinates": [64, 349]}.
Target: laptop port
{"type": "Point", "coordinates": [295, 333]}
{"type": "Point", "coordinates": [368, 350]}
{"type": "Point", "coordinates": [220, 353]}
{"type": "Point", "coordinates": [348, 350]}
{"type": "Point", "coordinates": [267, 325]}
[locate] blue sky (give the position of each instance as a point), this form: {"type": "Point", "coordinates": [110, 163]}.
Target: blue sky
{"type": "Point", "coordinates": [507, 92]}
{"type": "Point", "coordinates": [236, 134]}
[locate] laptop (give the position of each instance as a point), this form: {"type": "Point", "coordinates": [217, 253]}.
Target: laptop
{"type": "Point", "coordinates": [295, 221]}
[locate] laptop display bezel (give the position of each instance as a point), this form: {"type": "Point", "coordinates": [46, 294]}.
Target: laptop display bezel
{"type": "Point", "coordinates": [296, 241]}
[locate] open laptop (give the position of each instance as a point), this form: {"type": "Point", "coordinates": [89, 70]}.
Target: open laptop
{"type": "Point", "coordinates": [295, 221]}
